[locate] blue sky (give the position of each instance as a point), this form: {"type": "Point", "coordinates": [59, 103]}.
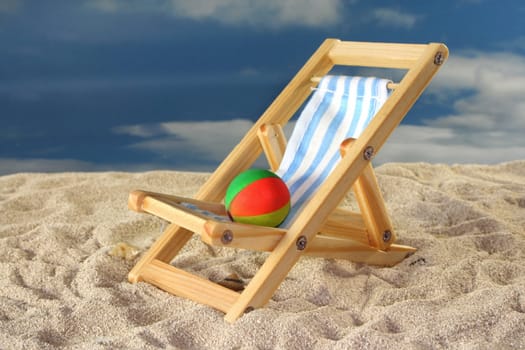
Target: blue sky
{"type": "Point", "coordinates": [95, 85]}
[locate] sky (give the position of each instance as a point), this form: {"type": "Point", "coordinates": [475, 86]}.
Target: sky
{"type": "Point", "coordinates": [115, 85]}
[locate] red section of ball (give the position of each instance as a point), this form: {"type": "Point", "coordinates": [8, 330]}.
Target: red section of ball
{"type": "Point", "coordinates": [260, 197]}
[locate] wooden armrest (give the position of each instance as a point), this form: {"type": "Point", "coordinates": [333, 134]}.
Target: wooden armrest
{"type": "Point", "coordinates": [136, 200]}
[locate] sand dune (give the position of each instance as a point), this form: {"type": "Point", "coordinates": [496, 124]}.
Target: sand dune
{"type": "Point", "coordinates": [464, 287]}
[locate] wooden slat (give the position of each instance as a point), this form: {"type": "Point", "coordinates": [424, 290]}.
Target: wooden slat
{"type": "Point", "coordinates": [260, 238]}
{"type": "Point", "coordinates": [187, 285]}
{"type": "Point", "coordinates": [384, 55]}
{"type": "Point", "coordinates": [391, 86]}
{"type": "Point", "coordinates": [172, 212]}
{"type": "Point", "coordinates": [346, 224]}
{"type": "Point", "coordinates": [339, 248]}
{"type": "Point", "coordinates": [136, 198]}
{"type": "Point", "coordinates": [273, 143]}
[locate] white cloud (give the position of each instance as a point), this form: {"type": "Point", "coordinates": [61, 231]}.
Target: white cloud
{"type": "Point", "coordinates": [14, 165]}
{"type": "Point", "coordinates": [47, 165]}
{"type": "Point", "coordinates": [477, 70]}
{"type": "Point", "coordinates": [517, 43]}
{"type": "Point", "coordinates": [201, 145]}
{"type": "Point", "coordinates": [394, 18]}
{"type": "Point", "coordinates": [270, 13]}
{"type": "Point", "coordinates": [487, 121]}
{"type": "Point", "coordinates": [196, 142]}
{"type": "Point", "coordinates": [495, 85]}
{"type": "Point", "coordinates": [411, 143]}
{"type": "Point", "coordinates": [274, 13]}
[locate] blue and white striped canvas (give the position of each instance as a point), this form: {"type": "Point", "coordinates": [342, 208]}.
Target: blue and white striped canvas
{"type": "Point", "coordinates": [340, 107]}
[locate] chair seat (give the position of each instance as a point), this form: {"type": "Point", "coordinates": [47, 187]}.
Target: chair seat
{"type": "Point", "coordinates": [341, 107]}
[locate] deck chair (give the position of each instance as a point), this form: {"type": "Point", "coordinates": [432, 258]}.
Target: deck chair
{"type": "Point", "coordinates": [329, 154]}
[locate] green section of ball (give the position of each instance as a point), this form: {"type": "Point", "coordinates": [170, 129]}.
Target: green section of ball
{"type": "Point", "coordinates": [242, 180]}
{"type": "Point", "coordinates": [272, 219]}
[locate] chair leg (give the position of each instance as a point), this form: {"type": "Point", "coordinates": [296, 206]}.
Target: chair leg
{"type": "Point", "coordinates": [263, 285]}
{"type": "Point", "coordinates": [164, 249]}
{"type": "Point", "coordinates": [190, 286]}
{"type": "Point", "coordinates": [370, 200]}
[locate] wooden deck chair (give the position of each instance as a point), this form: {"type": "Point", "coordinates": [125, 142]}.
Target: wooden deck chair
{"type": "Point", "coordinates": [358, 115]}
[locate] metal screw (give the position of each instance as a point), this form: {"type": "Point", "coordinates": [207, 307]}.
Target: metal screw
{"type": "Point", "coordinates": [301, 243]}
{"type": "Point", "coordinates": [439, 59]}
{"type": "Point", "coordinates": [387, 236]}
{"type": "Point", "coordinates": [227, 237]}
{"type": "Point", "coordinates": [368, 153]}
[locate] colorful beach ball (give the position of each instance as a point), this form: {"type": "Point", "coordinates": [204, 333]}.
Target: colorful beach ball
{"type": "Point", "coordinates": [258, 197]}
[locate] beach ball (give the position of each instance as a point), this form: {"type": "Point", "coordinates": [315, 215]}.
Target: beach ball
{"type": "Point", "coordinates": [257, 197]}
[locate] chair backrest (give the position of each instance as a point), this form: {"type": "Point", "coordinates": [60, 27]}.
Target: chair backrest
{"type": "Point", "coordinates": [341, 107]}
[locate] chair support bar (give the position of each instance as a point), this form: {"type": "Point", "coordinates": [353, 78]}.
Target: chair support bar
{"type": "Point", "coordinates": [391, 85]}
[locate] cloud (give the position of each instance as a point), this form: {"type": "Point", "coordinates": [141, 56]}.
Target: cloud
{"type": "Point", "coordinates": [477, 70]}
{"type": "Point", "coordinates": [198, 146]}
{"type": "Point", "coordinates": [270, 13]}
{"type": "Point", "coordinates": [47, 165]}
{"type": "Point", "coordinates": [494, 92]}
{"type": "Point", "coordinates": [394, 18]}
{"type": "Point", "coordinates": [15, 165]}
{"type": "Point", "coordinates": [517, 43]}
{"type": "Point", "coordinates": [274, 13]}
{"type": "Point", "coordinates": [487, 118]}
{"type": "Point", "coordinates": [192, 143]}
{"type": "Point", "coordinates": [412, 143]}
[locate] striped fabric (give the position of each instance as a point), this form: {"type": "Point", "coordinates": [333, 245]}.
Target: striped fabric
{"type": "Point", "coordinates": [341, 107]}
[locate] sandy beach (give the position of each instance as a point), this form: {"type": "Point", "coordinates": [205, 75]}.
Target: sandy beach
{"type": "Point", "coordinates": [60, 286]}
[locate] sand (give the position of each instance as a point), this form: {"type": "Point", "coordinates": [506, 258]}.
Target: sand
{"type": "Point", "coordinates": [463, 289]}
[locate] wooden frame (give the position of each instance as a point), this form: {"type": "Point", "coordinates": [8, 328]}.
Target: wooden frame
{"type": "Point", "coordinates": [320, 230]}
